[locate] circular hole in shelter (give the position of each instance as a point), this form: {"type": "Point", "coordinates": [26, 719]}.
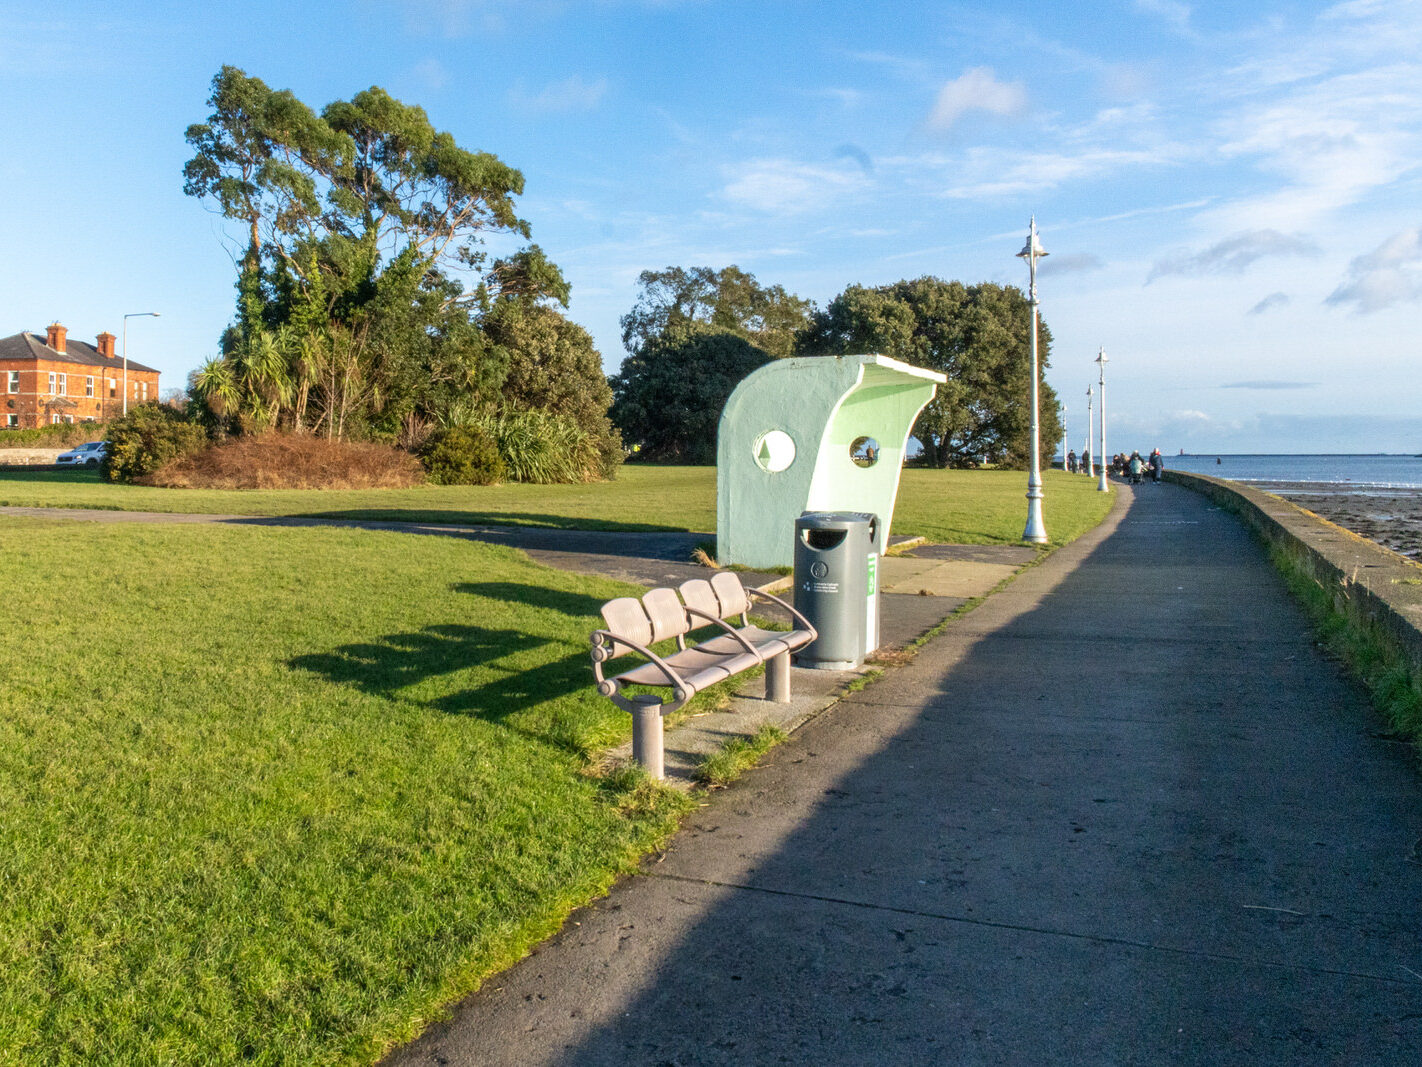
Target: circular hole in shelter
{"type": "Point", "coordinates": [775, 451]}
{"type": "Point", "coordinates": [864, 451]}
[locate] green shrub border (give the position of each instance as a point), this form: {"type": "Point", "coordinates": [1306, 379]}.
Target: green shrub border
{"type": "Point", "coordinates": [1363, 620]}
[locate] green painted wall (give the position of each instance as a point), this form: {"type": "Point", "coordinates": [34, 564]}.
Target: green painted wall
{"type": "Point", "coordinates": [824, 403]}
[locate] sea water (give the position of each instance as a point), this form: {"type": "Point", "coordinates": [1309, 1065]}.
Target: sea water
{"type": "Point", "coordinates": [1385, 475]}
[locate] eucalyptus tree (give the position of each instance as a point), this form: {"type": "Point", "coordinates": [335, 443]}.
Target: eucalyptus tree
{"type": "Point", "coordinates": [364, 224]}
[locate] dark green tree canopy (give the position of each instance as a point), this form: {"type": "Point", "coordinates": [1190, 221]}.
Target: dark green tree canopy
{"type": "Point", "coordinates": [728, 299]}
{"type": "Point", "coordinates": [668, 397]}
{"type": "Point", "coordinates": [693, 334]}
{"type": "Point", "coordinates": [977, 335]}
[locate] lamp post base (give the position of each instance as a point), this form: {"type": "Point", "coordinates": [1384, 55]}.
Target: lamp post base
{"type": "Point", "coordinates": [1101, 486]}
{"type": "Point", "coordinates": [1036, 531]}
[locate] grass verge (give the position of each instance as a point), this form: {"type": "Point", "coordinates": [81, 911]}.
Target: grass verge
{"type": "Point", "coordinates": [279, 795]}
{"type": "Point", "coordinates": [738, 756]}
{"type": "Point", "coordinates": [1392, 681]}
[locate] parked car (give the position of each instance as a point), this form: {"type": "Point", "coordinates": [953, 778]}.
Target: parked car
{"type": "Point", "coordinates": [88, 454]}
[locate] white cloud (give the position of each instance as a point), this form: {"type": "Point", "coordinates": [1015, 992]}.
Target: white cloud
{"type": "Point", "coordinates": [1233, 254]}
{"type": "Point", "coordinates": [976, 90]}
{"type": "Point", "coordinates": [569, 95]}
{"type": "Point", "coordinates": [1387, 275]}
{"type": "Point", "coordinates": [778, 186]}
{"type": "Point", "coordinates": [1074, 263]}
{"type": "Point", "coordinates": [1269, 303]}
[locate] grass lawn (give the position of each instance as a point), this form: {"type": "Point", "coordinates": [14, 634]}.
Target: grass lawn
{"type": "Point", "coordinates": [970, 507]}
{"type": "Point", "coordinates": [274, 795]}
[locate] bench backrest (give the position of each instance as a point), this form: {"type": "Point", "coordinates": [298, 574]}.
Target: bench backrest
{"type": "Point", "coordinates": [625, 617]}
{"type": "Point", "coordinates": [666, 613]}
{"type": "Point", "coordinates": [730, 593]}
{"type": "Point", "coordinates": [698, 594]}
{"type": "Point", "coordinates": [656, 617]}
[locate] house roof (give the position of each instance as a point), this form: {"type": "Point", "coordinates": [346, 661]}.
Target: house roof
{"type": "Point", "coordinates": [29, 346]}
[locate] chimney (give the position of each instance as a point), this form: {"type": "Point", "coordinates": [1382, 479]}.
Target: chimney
{"type": "Point", "coordinates": [106, 344]}
{"type": "Point", "coordinates": [55, 337]}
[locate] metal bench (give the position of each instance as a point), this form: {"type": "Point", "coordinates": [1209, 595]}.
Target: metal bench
{"type": "Point", "coordinates": [634, 626]}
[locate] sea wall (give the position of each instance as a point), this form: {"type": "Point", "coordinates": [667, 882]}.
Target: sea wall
{"type": "Point", "coordinates": [1370, 583]}
{"type": "Point", "coordinates": [29, 457]}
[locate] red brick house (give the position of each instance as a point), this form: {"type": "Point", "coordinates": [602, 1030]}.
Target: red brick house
{"type": "Point", "coordinates": [53, 379]}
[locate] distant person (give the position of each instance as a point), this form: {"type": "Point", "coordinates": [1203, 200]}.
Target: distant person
{"type": "Point", "coordinates": [1136, 466]}
{"type": "Point", "coordinates": [1218, 461]}
{"type": "Point", "coordinates": [1156, 463]}
{"type": "Point", "coordinates": [1071, 462]}
{"type": "Point", "coordinates": [1086, 461]}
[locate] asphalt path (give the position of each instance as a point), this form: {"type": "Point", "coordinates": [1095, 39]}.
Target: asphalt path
{"type": "Point", "coordinates": [1123, 812]}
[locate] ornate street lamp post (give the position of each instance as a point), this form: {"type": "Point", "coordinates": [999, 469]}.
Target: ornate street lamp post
{"type": "Point", "coordinates": [1101, 362]}
{"type": "Point", "coordinates": [1036, 531]}
{"type": "Point", "coordinates": [1090, 429]}
{"type": "Point", "coordinates": [132, 315]}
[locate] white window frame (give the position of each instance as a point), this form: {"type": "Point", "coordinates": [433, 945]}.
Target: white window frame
{"type": "Point", "coordinates": [54, 420]}
{"type": "Point", "coordinates": [14, 381]}
{"type": "Point", "coordinates": [113, 388]}
{"type": "Point", "coordinates": [51, 383]}
{"type": "Point", "coordinates": [12, 420]}
{"type": "Point", "coordinates": [88, 385]}
{"type": "Point", "coordinates": [63, 385]}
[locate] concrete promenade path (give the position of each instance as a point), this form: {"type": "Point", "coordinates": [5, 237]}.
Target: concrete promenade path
{"type": "Point", "coordinates": [1123, 812]}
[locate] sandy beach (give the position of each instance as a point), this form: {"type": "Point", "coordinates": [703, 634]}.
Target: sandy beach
{"type": "Point", "coordinates": [1392, 518]}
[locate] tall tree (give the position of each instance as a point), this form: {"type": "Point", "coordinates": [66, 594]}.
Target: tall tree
{"type": "Point", "coordinates": [729, 299]}
{"type": "Point", "coordinates": [360, 222]}
{"type": "Point", "coordinates": [693, 334]}
{"type": "Point", "coordinates": [668, 396]}
{"type": "Point", "coordinates": [977, 335]}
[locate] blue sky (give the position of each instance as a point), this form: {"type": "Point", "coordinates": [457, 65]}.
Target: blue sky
{"type": "Point", "coordinates": [1229, 192]}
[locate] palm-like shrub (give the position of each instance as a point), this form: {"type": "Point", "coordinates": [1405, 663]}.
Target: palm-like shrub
{"type": "Point", "coordinates": [539, 447]}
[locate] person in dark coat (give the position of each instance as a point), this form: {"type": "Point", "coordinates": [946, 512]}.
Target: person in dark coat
{"type": "Point", "coordinates": [1135, 465]}
{"type": "Point", "coordinates": [1156, 464]}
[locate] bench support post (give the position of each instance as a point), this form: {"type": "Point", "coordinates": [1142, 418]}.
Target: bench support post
{"type": "Point", "coordinates": [777, 678]}
{"type": "Point", "coordinates": [647, 735]}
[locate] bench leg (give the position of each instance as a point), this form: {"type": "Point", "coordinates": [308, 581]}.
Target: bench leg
{"type": "Point", "coordinates": [777, 678]}
{"type": "Point", "coordinates": [647, 736]}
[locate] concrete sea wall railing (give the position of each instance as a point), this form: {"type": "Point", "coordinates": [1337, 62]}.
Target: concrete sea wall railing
{"type": "Point", "coordinates": [1370, 583]}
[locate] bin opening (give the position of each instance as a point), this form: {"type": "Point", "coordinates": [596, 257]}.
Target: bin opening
{"type": "Point", "coordinates": [823, 539]}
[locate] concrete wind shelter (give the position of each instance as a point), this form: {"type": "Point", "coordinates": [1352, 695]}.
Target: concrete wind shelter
{"type": "Point", "coordinates": [811, 433]}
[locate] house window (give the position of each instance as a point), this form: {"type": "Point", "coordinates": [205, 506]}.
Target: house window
{"type": "Point", "coordinates": [64, 385]}
{"type": "Point", "coordinates": [69, 419]}
{"type": "Point", "coordinates": [54, 418]}
{"type": "Point", "coordinates": [113, 388]}
{"type": "Point", "coordinates": [89, 385]}
{"type": "Point", "coordinates": [12, 420]}
{"type": "Point", "coordinates": [14, 381]}
{"type": "Point", "coordinates": [51, 383]}
{"type": "Point", "coordinates": [135, 390]}
{"type": "Point", "coordinates": [145, 390]}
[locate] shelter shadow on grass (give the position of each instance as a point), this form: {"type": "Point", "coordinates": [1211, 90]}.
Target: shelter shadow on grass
{"type": "Point", "coordinates": [399, 666]}
{"type": "Point", "coordinates": [491, 518]}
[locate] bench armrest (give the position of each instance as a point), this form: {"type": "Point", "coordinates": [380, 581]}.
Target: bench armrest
{"type": "Point", "coordinates": [604, 644]}
{"type": "Point", "coordinates": [803, 622]}
{"type": "Point", "coordinates": [724, 625]}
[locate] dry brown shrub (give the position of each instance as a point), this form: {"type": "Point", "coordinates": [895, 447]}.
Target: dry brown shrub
{"type": "Point", "coordinates": [292, 461]}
